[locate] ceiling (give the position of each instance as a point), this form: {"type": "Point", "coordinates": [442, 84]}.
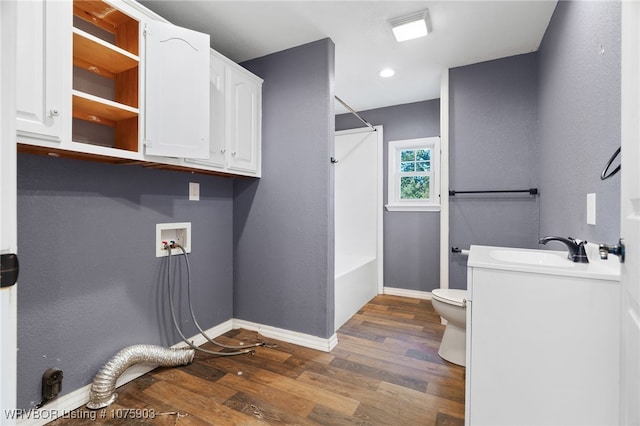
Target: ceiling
{"type": "Point", "coordinates": [462, 33]}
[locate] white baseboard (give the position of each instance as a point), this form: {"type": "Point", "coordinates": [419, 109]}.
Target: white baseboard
{"type": "Point", "coordinates": [416, 294]}
{"type": "Point", "coordinates": [64, 405]}
{"type": "Point", "coordinates": [294, 337]}
{"type": "Point", "coordinates": [213, 332]}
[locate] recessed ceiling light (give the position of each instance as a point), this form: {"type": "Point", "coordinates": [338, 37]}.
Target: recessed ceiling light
{"type": "Point", "coordinates": [387, 72]}
{"type": "Point", "coordinates": [410, 26]}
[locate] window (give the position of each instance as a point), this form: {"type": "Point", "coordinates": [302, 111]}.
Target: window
{"type": "Point", "coordinates": [414, 175]}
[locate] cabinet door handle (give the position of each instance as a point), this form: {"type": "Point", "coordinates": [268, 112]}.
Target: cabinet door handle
{"type": "Point", "coordinates": [222, 151]}
{"type": "Point", "coordinates": [54, 113]}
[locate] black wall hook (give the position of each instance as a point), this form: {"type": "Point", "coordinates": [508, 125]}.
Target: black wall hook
{"type": "Point", "coordinates": [604, 174]}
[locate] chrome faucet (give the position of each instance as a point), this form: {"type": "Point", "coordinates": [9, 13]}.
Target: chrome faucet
{"type": "Point", "coordinates": [576, 249]}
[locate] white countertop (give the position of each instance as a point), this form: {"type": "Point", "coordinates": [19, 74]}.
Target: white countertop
{"type": "Point", "coordinates": [548, 262]}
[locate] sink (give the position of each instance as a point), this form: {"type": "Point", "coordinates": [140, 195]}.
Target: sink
{"type": "Point", "coordinates": [532, 257]}
{"type": "Point", "coordinates": [550, 262]}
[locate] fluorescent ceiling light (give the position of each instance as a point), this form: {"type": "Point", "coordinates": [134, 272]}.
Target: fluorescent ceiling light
{"type": "Point", "coordinates": [410, 26]}
{"type": "Point", "coordinates": [387, 72]}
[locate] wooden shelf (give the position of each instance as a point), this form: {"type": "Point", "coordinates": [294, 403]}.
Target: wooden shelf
{"type": "Point", "coordinates": [98, 56]}
{"type": "Point", "coordinates": [92, 108]}
{"type": "Point", "coordinates": [100, 14]}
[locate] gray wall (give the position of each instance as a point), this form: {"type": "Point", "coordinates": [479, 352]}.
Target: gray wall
{"type": "Point", "coordinates": [550, 119]}
{"type": "Point", "coordinates": [283, 223]}
{"type": "Point", "coordinates": [579, 120]}
{"type": "Point", "coordinates": [90, 283]}
{"type": "Point", "coordinates": [411, 239]}
{"type": "Point", "coordinates": [493, 117]}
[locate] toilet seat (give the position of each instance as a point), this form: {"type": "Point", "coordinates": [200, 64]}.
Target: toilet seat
{"type": "Point", "coordinates": [450, 296]}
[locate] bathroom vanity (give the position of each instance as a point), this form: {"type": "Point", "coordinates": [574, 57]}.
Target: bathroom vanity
{"type": "Point", "coordinates": [542, 338]}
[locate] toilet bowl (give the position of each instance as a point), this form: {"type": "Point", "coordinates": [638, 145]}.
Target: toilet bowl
{"type": "Point", "coordinates": [450, 304]}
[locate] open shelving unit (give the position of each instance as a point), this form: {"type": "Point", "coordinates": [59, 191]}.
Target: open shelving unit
{"type": "Point", "coordinates": [106, 66]}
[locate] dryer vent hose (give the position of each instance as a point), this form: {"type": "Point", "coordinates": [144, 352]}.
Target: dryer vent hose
{"type": "Point", "coordinates": [104, 383]}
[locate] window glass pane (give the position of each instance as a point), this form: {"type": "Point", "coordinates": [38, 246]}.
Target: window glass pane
{"type": "Point", "coordinates": [414, 187]}
{"type": "Point", "coordinates": [408, 155]}
{"type": "Point", "coordinates": [423, 166]}
{"type": "Point", "coordinates": [407, 167]}
{"type": "Point", "coordinates": [423, 155]}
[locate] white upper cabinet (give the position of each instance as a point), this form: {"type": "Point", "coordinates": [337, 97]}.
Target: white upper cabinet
{"type": "Point", "coordinates": [236, 119]}
{"type": "Point", "coordinates": [217, 142]}
{"type": "Point", "coordinates": [43, 78]}
{"type": "Point", "coordinates": [243, 121]}
{"type": "Point", "coordinates": [109, 80]}
{"type": "Point", "coordinates": [177, 102]}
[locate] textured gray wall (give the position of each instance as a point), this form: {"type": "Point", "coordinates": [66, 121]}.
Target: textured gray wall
{"type": "Point", "coordinates": [283, 223]}
{"type": "Point", "coordinates": [411, 239]}
{"type": "Point", "coordinates": [493, 111]}
{"type": "Point", "coordinates": [90, 283]}
{"type": "Point", "coordinates": [579, 120]}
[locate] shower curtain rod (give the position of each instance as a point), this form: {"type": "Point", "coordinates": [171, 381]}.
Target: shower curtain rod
{"type": "Point", "coordinates": [355, 113]}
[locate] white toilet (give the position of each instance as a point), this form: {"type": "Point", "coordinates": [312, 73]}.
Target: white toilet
{"type": "Point", "coordinates": [450, 304]}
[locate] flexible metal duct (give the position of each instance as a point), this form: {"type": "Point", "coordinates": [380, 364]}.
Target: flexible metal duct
{"type": "Point", "coordinates": [104, 383]}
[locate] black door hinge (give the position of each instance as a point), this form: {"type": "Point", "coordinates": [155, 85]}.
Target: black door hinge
{"type": "Point", "coordinates": [9, 269]}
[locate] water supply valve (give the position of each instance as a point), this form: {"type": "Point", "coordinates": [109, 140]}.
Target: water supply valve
{"type": "Point", "coordinates": [617, 249]}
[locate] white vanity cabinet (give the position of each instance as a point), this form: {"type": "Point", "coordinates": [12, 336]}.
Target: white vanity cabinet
{"type": "Point", "coordinates": [43, 78]}
{"type": "Point", "coordinates": [542, 339]}
{"type": "Point", "coordinates": [236, 119]}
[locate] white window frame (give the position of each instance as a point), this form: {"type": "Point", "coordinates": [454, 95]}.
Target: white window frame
{"type": "Point", "coordinates": [393, 180]}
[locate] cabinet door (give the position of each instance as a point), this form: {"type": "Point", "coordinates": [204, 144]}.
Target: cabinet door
{"type": "Point", "coordinates": [243, 122]}
{"type": "Point", "coordinates": [217, 110]}
{"type": "Point", "coordinates": [177, 91]}
{"type": "Point", "coordinates": [43, 62]}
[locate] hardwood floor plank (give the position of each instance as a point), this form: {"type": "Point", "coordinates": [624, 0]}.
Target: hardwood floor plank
{"type": "Point", "coordinates": [418, 400]}
{"type": "Point", "coordinates": [395, 407]}
{"type": "Point", "coordinates": [205, 408]}
{"type": "Point", "coordinates": [180, 377]}
{"type": "Point", "coordinates": [328, 417]}
{"type": "Point", "coordinates": [366, 383]}
{"type": "Point", "coordinates": [329, 399]}
{"type": "Point", "coordinates": [279, 399]}
{"type": "Point", "coordinates": [382, 375]}
{"type": "Point", "coordinates": [351, 351]}
{"type": "Point", "coordinates": [447, 420]}
{"type": "Point", "coordinates": [260, 410]}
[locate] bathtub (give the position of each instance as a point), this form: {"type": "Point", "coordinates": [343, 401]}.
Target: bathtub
{"type": "Point", "coordinates": [355, 284]}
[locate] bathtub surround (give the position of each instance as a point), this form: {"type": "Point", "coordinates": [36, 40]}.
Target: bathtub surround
{"type": "Point", "coordinates": [283, 223]}
{"type": "Point", "coordinates": [411, 239]}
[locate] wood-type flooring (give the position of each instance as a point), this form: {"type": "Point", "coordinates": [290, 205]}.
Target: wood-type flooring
{"type": "Point", "coordinates": [385, 370]}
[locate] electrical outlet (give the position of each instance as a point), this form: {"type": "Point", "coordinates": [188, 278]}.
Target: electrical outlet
{"type": "Point", "coordinates": [194, 191]}
{"type": "Point", "coordinates": [51, 384]}
{"type": "Point", "coordinates": [178, 233]}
